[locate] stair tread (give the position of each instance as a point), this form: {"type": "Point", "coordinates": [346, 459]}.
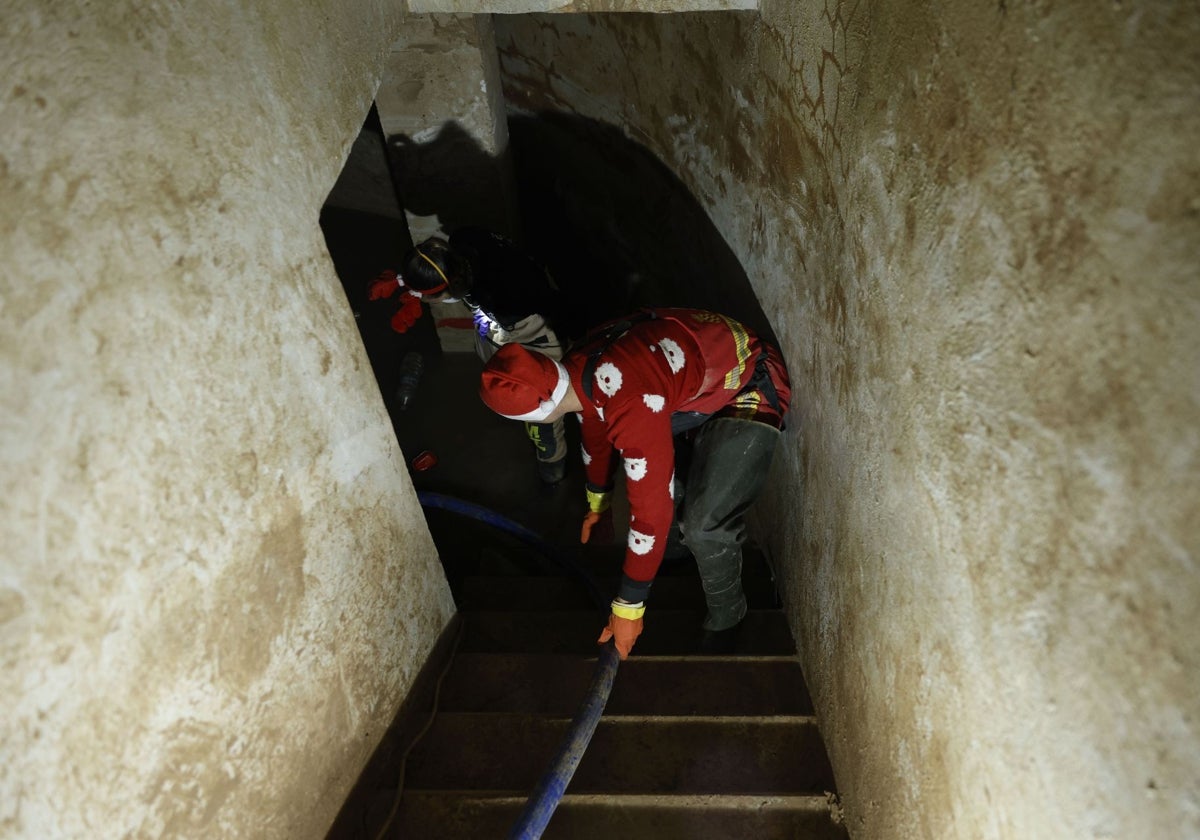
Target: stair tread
{"type": "Point", "coordinates": [541, 683]}
{"type": "Point", "coordinates": [667, 632]}
{"type": "Point", "coordinates": [814, 801]}
{"type": "Point", "coordinates": [534, 592]}
{"type": "Point", "coordinates": [455, 814]}
{"type": "Point", "coordinates": [620, 722]}
{"type": "Point", "coordinates": [778, 754]}
{"type": "Point", "coordinates": [597, 561]}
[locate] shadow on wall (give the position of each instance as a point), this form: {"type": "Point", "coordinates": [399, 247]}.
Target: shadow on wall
{"type": "Point", "coordinates": [452, 177]}
{"type": "Point", "coordinates": [617, 228]}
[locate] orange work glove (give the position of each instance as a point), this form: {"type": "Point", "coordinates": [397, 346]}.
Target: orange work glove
{"type": "Point", "coordinates": [624, 626]}
{"type": "Point", "coordinates": [598, 504]}
{"type": "Point", "coordinates": [385, 285]}
{"type": "Point", "coordinates": [600, 523]}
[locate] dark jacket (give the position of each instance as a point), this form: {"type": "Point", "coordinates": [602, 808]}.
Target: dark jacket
{"type": "Point", "coordinates": [507, 284]}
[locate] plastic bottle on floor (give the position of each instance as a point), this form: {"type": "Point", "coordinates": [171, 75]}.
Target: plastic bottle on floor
{"type": "Point", "coordinates": [410, 376]}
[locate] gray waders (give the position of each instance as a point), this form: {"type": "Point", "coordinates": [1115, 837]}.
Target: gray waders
{"type": "Point", "coordinates": [728, 467]}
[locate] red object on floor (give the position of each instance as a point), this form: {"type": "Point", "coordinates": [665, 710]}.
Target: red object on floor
{"type": "Point", "coordinates": [424, 461]}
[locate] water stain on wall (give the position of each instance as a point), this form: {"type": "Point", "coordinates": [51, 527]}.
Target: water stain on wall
{"type": "Point", "coordinates": [256, 596]}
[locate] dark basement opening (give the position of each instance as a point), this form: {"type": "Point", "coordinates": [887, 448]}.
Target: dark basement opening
{"type": "Point", "coordinates": [617, 231]}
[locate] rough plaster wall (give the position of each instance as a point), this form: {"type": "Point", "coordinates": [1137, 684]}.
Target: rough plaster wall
{"type": "Point", "coordinates": [216, 582]}
{"type": "Point", "coordinates": [524, 6]}
{"type": "Point", "coordinates": [443, 65]}
{"type": "Point", "coordinates": [978, 230]}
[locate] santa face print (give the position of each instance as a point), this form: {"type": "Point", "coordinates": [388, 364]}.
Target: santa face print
{"type": "Point", "coordinates": [640, 543]}
{"type": "Point", "coordinates": [635, 468]}
{"type": "Point", "coordinates": [608, 377]}
{"type": "Point", "coordinates": [673, 353]}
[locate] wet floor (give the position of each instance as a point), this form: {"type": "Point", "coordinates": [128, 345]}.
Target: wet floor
{"type": "Point", "coordinates": [453, 444]}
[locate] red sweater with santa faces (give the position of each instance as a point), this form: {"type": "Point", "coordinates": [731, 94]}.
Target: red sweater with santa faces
{"type": "Point", "coordinates": [683, 360]}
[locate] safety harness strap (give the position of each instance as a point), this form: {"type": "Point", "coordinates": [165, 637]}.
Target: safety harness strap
{"type": "Point", "coordinates": [762, 381]}
{"type": "Point", "coordinates": [605, 339]}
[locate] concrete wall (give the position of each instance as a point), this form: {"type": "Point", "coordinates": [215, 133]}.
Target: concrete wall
{"type": "Point", "coordinates": [977, 230]}
{"type": "Point", "coordinates": [524, 6]}
{"type": "Point", "coordinates": [216, 585]}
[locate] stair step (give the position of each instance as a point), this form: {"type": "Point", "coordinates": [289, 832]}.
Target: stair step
{"type": "Point", "coordinates": [535, 592]}
{"type": "Point", "coordinates": [634, 754]}
{"type": "Point", "coordinates": [667, 632]}
{"type": "Point", "coordinates": [556, 684]}
{"type": "Point", "coordinates": [598, 561]}
{"type": "Point", "coordinates": [458, 815]}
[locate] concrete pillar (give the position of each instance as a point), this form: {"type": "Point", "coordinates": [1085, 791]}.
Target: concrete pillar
{"type": "Point", "coordinates": [441, 106]}
{"type": "Point", "coordinates": [442, 111]}
{"type": "Point", "coordinates": [216, 584]}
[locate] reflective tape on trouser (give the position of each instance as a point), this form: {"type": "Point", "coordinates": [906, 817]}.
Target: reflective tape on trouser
{"type": "Point", "coordinates": [730, 461]}
{"type": "Point", "coordinates": [549, 439]}
{"type": "Point", "coordinates": [721, 577]}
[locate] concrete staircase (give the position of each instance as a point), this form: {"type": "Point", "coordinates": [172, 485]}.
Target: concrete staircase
{"type": "Point", "coordinates": [690, 746]}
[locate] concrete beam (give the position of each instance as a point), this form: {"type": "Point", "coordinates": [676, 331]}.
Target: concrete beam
{"type": "Point", "coordinates": [441, 105]}
{"type": "Point", "coordinates": [442, 110]}
{"type": "Point", "coordinates": [509, 7]}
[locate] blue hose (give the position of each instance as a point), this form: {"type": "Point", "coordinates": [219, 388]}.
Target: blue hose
{"type": "Point", "coordinates": [554, 781]}
{"type": "Point", "coordinates": [553, 784]}
{"type": "Point", "coordinates": [439, 501]}
{"type": "Point", "coordinates": [490, 517]}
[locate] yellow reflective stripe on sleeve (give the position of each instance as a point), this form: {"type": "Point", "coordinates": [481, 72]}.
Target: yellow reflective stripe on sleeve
{"type": "Point", "coordinates": [741, 344]}
{"type": "Point", "coordinates": [598, 502]}
{"type": "Point", "coordinates": [632, 612]}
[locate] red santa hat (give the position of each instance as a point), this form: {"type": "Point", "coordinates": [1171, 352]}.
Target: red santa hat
{"type": "Point", "coordinates": [523, 385]}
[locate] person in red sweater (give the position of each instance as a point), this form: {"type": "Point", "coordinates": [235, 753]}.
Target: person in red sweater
{"type": "Point", "coordinates": [639, 385]}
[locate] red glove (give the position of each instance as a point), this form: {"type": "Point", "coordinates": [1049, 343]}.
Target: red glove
{"type": "Point", "coordinates": [385, 285]}
{"type": "Point", "coordinates": [623, 631]}
{"type": "Point", "coordinates": [408, 313]}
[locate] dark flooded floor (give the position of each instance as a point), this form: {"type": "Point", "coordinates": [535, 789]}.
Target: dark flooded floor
{"type": "Point", "coordinates": [482, 459]}
{"type": "Point", "coordinates": [478, 457]}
